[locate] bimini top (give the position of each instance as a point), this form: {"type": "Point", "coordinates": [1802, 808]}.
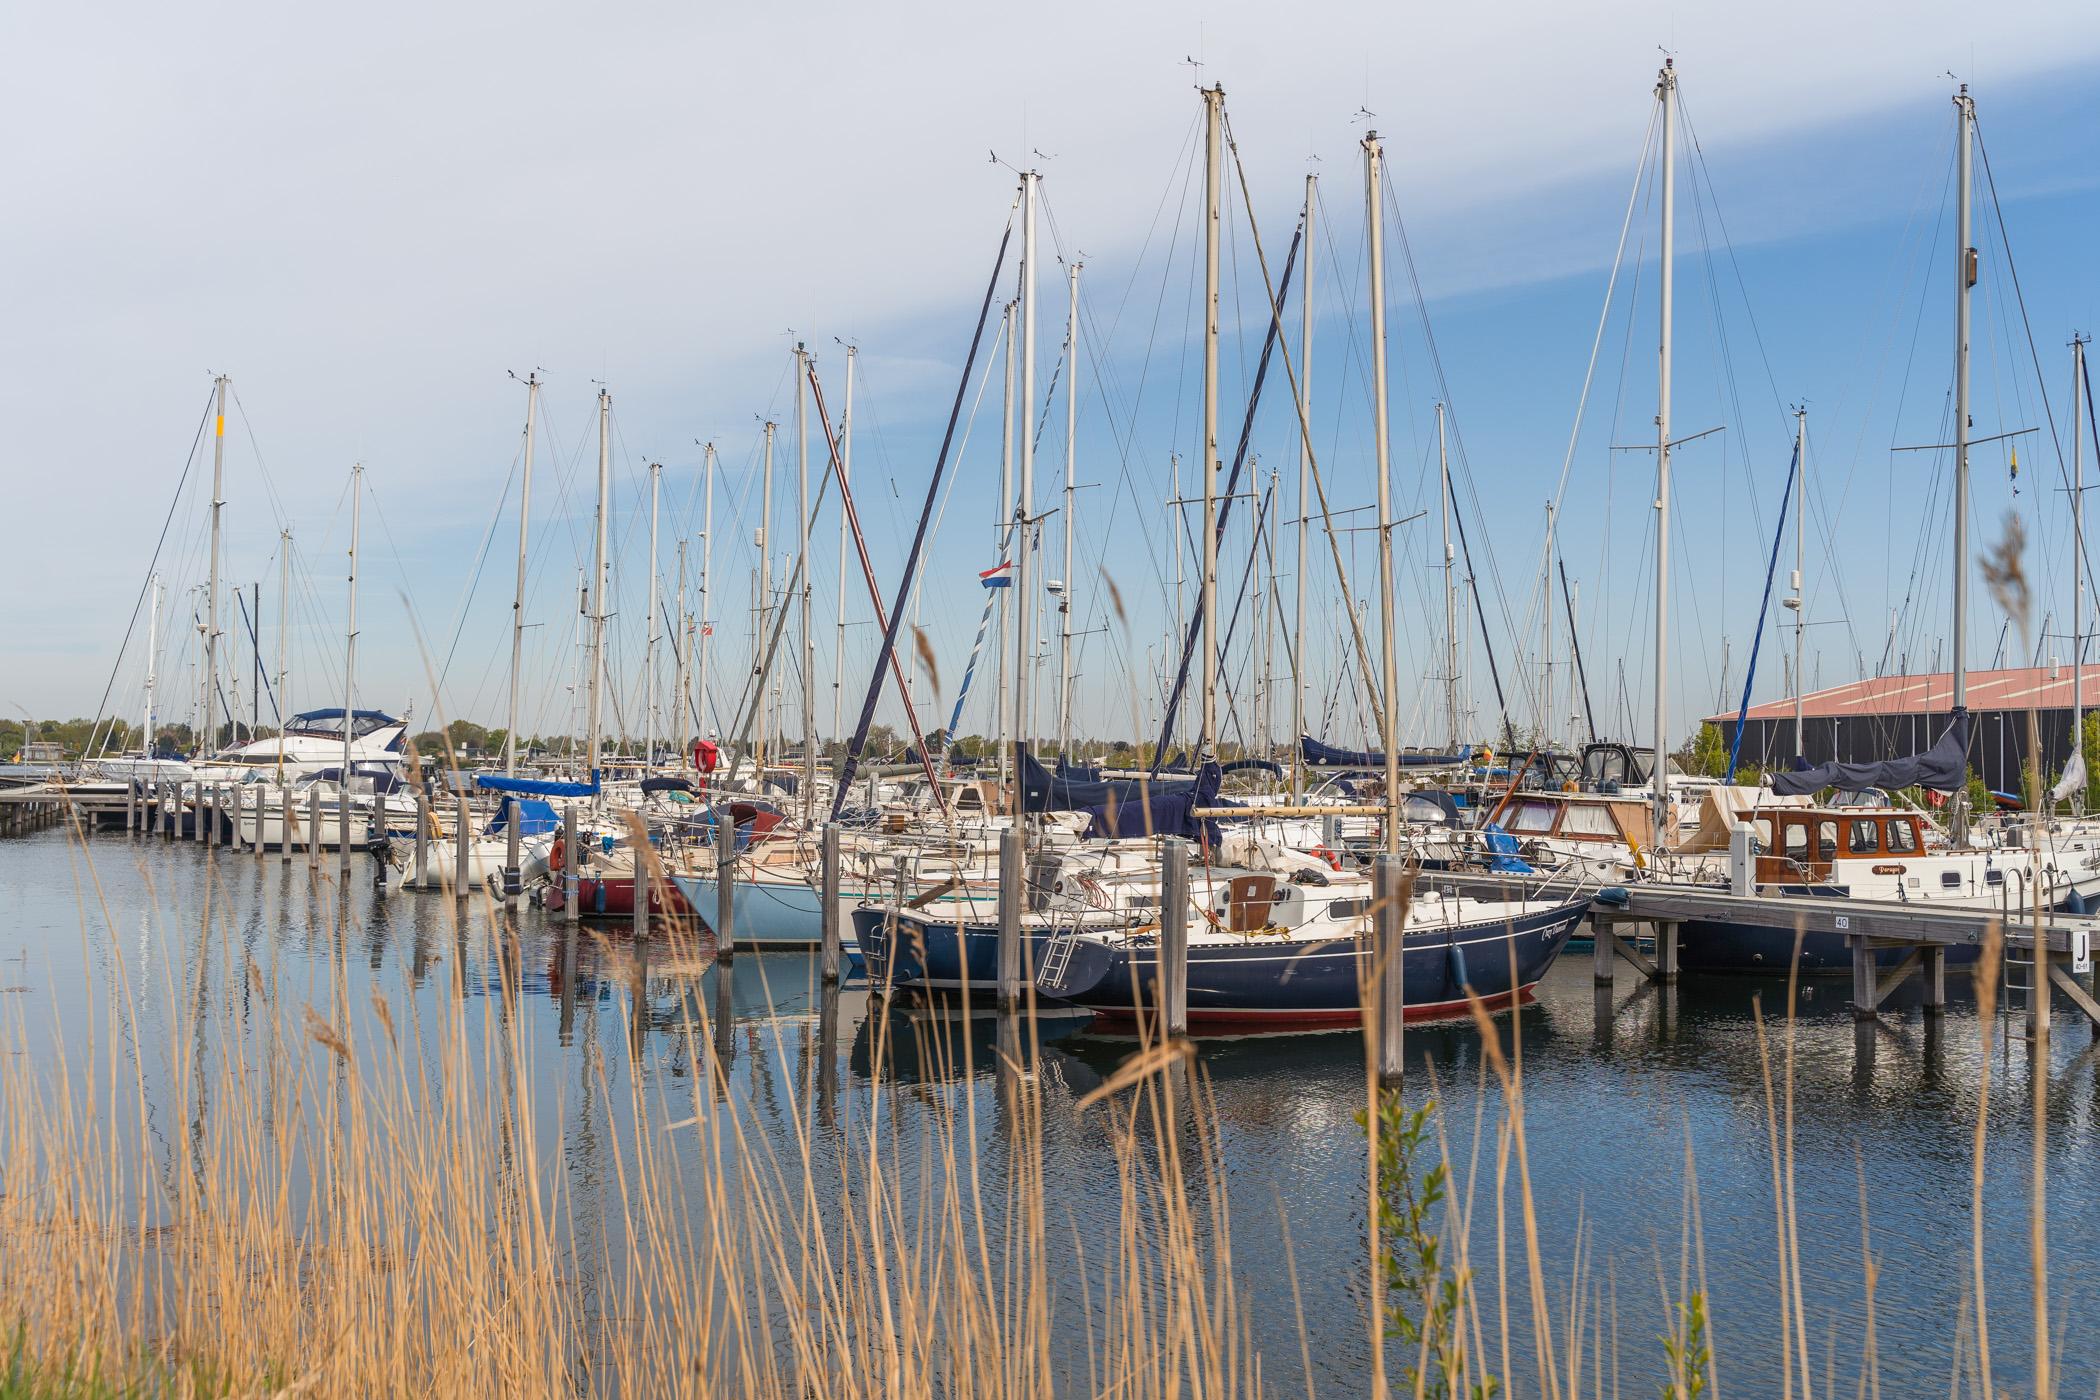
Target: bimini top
{"type": "Point", "coordinates": [328, 724]}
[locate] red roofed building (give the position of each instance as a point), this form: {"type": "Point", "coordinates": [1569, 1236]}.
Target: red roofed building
{"type": "Point", "coordinates": [1889, 716]}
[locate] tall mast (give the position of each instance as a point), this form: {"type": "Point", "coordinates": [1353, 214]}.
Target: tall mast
{"type": "Point", "coordinates": [1389, 680]}
{"type": "Point", "coordinates": [598, 578]}
{"type": "Point", "coordinates": [681, 649]}
{"type": "Point", "coordinates": [1666, 91]}
{"type": "Point", "coordinates": [1964, 279]}
{"type": "Point", "coordinates": [1305, 339]}
{"type": "Point", "coordinates": [1024, 500]}
{"type": "Point", "coordinates": [2078, 548]}
{"type": "Point", "coordinates": [147, 746]}
{"type": "Point", "coordinates": [210, 738]}
{"type": "Point", "coordinates": [357, 501]}
{"type": "Point", "coordinates": [707, 549]}
{"type": "Point", "coordinates": [765, 598]}
{"type": "Point", "coordinates": [1443, 467]}
{"type": "Point", "coordinates": [649, 688]}
{"type": "Point", "coordinates": [1003, 537]}
{"type": "Point", "coordinates": [1798, 602]}
{"type": "Point", "coordinates": [1213, 191]}
{"type": "Point", "coordinates": [517, 602]}
{"type": "Point", "coordinates": [809, 640]}
{"type": "Point", "coordinates": [1064, 597]}
{"type": "Point", "coordinates": [1181, 573]}
{"type": "Point", "coordinates": [284, 651]}
{"type": "Point", "coordinates": [1546, 726]}
{"type": "Point", "coordinates": [838, 650]}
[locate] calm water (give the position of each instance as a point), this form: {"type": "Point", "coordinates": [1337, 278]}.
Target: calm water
{"type": "Point", "coordinates": [1617, 1105]}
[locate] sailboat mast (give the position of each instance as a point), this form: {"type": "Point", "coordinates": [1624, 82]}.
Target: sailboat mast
{"type": "Point", "coordinates": [357, 501]}
{"type": "Point", "coordinates": [1024, 501]}
{"type": "Point", "coordinates": [681, 650]}
{"type": "Point", "coordinates": [1002, 538]}
{"type": "Point", "coordinates": [1443, 467]}
{"type": "Point", "coordinates": [649, 688]}
{"type": "Point", "coordinates": [210, 736]}
{"type": "Point", "coordinates": [1389, 679]}
{"type": "Point", "coordinates": [147, 746]}
{"type": "Point", "coordinates": [598, 577]}
{"type": "Point", "coordinates": [2078, 547]}
{"type": "Point", "coordinates": [1799, 602]}
{"type": "Point", "coordinates": [809, 639]}
{"type": "Point", "coordinates": [517, 601]}
{"type": "Point", "coordinates": [765, 599]}
{"type": "Point", "coordinates": [707, 549]}
{"type": "Point", "coordinates": [838, 650]}
{"type": "Point", "coordinates": [1213, 189]}
{"type": "Point", "coordinates": [1064, 597]}
{"type": "Point", "coordinates": [1666, 92]}
{"type": "Point", "coordinates": [284, 664]}
{"type": "Point", "coordinates": [1964, 280]}
{"type": "Point", "coordinates": [1305, 340]}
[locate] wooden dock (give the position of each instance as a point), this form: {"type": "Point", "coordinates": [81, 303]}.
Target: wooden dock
{"type": "Point", "coordinates": [1921, 931]}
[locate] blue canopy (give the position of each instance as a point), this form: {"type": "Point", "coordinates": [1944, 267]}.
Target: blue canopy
{"type": "Point", "coordinates": [535, 787]}
{"type": "Point", "coordinates": [1163, 811]}
{"type": "Point", "coordinates": [1321, 755]}
{"type": "Point", "coordinates": [534, 818]}
{"type": "Point", "coordinates": [1043, 791]}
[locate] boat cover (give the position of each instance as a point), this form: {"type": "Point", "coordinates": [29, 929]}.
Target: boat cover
{"type": "Point", "coordinates": [1943, 768]}
{"type": "Point", "coordinates": [1162, 811]}
{"type": "Point", "coordinates": [534, 787]}
{"type": "Point", "coordinates": [1720, 808]}
{"type": "Point", "coordinates": [1321, 755]}
{"type": "Point", "coordinates": [1044, 791]}
{"type": "Point", "coordinates": [534, 818]}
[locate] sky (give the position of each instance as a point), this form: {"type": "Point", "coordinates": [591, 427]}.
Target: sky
{"type": "Point", "coordinates": [372, 220]}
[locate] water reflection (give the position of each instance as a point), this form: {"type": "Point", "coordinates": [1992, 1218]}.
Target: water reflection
{"type": "Point", "coordinates": [1624, 1082]}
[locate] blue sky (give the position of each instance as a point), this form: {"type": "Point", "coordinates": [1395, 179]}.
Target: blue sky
{"type": "Point", "coordinates": [369, 222]}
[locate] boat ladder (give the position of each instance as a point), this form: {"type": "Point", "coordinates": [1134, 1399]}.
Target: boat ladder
{"type": "Point", "coordinates": [1056, 957]}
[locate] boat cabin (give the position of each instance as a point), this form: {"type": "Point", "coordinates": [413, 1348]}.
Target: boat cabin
{"type": "Point", "coordinates": [1576, 816]}
{"type": "Point", "coordinates": [1796, 846]}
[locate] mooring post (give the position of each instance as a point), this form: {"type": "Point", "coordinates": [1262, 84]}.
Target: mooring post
{"type": "Point", "coordinates": [1011, 875]}
{"type": "Point", "coordinates": [197, 821]}
{"type": "Point", "coordinates": [1863, 978]}
{"type": "Point", "coordinates": [513, 865]}
{"type": "Point", "coordinates": [1172, 982]}
{"type": "Point", "coordinates": [1388, 929]}
{"type": "Point", "coordinates": [1666, 951]}
{"type": "Point", "coordinates": [829, 914]}
{"type": "Point", "coordinates": [641, 881]}
{"type": "Point", "coordinates": [342, 811]}
{"type": "Point", "coordinates": [423, 820]}
{"type": "Point", "coordinates": [461, 834]}
{"type": "Point", "coordinates": [240, 814]}
{"type": "Point", "coordinates": [1604, 952]}
{"type": "Point", "coordinates": [571, 857]}
{"type": "Point", "coordinates": [216, 795]}
{"type": "Point", "coordinates": [1932, 972]}
{"type": "Point", "coordinates": [284, 824]}
{"type": "Point", "coordinates": [262, 807]}
{"type": "Point", "coordinates": [131, 805]}
{"type": "Point", "coordinates": [313, 827]}
{"type": "Point", "coordinates": [725, 887]}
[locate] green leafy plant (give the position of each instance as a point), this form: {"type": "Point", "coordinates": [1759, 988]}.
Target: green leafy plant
{"type": "Point", "coordinates": [1691, 1356]}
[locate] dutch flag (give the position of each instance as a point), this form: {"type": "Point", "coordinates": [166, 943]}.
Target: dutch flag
{"type": "Point", "coordinates": [1000, 577]}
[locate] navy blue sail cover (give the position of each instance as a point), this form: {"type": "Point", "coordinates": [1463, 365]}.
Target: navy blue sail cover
{"type": "Point", "coordinates": [1321, 755]}
{"type": "Point", "coordinates": [1943, 768]}
{"type": "Point", "coordinates": [1163, 811]}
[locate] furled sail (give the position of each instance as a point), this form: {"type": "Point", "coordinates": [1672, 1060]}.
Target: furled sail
{"type": "Point", "coordinates": [1943, 768]}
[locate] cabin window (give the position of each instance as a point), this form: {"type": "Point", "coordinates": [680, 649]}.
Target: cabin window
{"type": "Point", "coordinates": [1826, 840]}
{"type": "Point", "coordinates": [1764, 833]}
{"type": "Point", "coordinates": [1421, 809]}
{"type": "Point", "coordinates": [1797, 841]}
{"type": "Point", "coordinates": [1950, 879]}
{"type": "Point", "coordinates": [1532, 818]}
{"type": "Point", "coordinates": [1903, 838]}
{"type": "Point", "coordinates": [1865, 838]}
{"type": "Point", "coordinates": [1587, 819]}
{"type": "Point", "coordinates": [1347, 908]}
{"type": "Point", "coordinates": [968, 801]}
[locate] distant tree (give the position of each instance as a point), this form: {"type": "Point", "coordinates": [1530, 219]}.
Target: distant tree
{"type": "Point", "coordinates": [1707, 753]}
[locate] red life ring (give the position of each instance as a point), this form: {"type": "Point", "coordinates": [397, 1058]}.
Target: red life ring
{"type": "Point", "coordinates": [556, 855]}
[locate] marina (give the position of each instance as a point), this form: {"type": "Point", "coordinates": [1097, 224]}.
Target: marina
{"type": "Point", "coordinates": [1337, 856]}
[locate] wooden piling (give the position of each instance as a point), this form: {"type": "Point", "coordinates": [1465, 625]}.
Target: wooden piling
{"type": "Point", "coordinates": [1604, 955]}
{"type": "Point", "coordinates": [829, 913]}
{"type": "Point", "coordinates": [423, 820]}
{"type": "Point", "coordinates": [513, 865]}
{"type": "Point", "coordinates": [1388, 930]}
{"type": "Point", "coordinates": [1865, 986]}
{"type": "Point", "coordinates": [285, 823]}
{"type": "Point", "coordinates": [1171, 986]}
{"type": "Point", "coordinates": [725, 886]}
{"type": "Point", "coordinates": [313, 828]}
{"type": "Point", "coordinates": [1666, 951]}
{"type": "Point", "coordinates": [571, 857]}
{"type": "Point", "coordinates": [342, 819]}
{"type": "Point", "coordinates": [1932, 971]}
{"type": "Point", "coordinates": [1011, 876]}
{"type": "Point", "coordinates": [461, 834]}
{"type": "Point", "coordinates": [641, 881]}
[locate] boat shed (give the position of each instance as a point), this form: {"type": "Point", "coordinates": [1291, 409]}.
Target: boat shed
{"type": "Point", "coordinates": [1892, 716]}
